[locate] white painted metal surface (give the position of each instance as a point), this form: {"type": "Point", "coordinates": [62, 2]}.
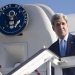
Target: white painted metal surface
{"type": "Point", "coordinates": [33, 64]}
{"type": "Point", "coordinates": [37, 34]}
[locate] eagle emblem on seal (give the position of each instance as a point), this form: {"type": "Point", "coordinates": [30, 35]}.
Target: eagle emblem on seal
{"type": "Point", "coordinates": [12, 20]}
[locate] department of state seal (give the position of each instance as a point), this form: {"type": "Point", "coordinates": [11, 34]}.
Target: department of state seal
{"type": "Point", "coordinates": [13, 19]}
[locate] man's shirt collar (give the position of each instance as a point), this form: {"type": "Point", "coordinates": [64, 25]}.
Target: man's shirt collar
{"type": "Point", "coordinates": [66, 37]}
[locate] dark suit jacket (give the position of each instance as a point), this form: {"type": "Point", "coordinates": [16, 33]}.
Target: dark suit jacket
{"type": "Point", "coordinates": [69, 52]}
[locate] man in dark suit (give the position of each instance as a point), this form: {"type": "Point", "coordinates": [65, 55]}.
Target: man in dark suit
{"type": "Point", "coordinates": [60, 26]}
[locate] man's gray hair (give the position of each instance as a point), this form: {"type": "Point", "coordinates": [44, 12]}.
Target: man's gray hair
{"type": "Point", "coordinates": [58, 16]}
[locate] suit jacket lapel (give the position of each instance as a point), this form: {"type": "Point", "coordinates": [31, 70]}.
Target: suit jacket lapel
{"type": "Point", "coordinates": [68, 44]}
{"type": "Point", "coordinates": [57, 48]}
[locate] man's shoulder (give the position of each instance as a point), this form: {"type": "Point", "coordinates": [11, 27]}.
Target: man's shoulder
{"type": "Point", "coordinates": [53, 45]}
{"type": "Point", "coordinates": [72, 36]}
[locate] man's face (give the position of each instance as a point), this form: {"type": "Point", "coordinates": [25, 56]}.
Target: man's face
{"type": "Point", "coordinates": [60, 27]}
